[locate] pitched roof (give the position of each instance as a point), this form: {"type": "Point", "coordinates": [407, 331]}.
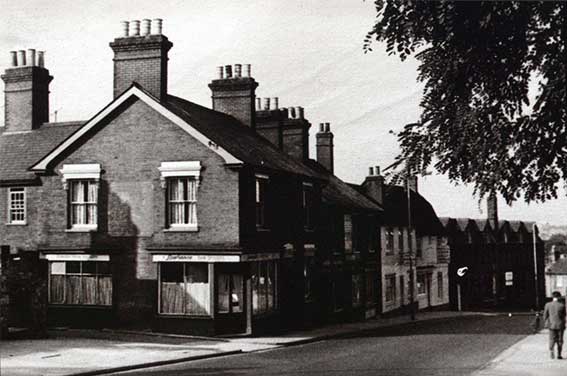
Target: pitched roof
{"type": "Point", "coordinates": [238, 139]}
{"type": "Point", "coordinates": [423, 216]}
{"type": "Point", "coordinates": [558, 267]}
{"type": "Point", "coordinates": [338, 193]}
{"type": "Point", "coordinates": [483, 224]}
{"type": "Point", "coordinates": [223, 134]}
{"type": "Point", "coordinates": [19, 150]}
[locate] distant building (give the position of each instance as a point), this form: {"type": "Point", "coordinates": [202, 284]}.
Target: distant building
{"type": "Point", "coordinates": [492, 262]}
{"type": "Point", "coordinates": [556, 277]}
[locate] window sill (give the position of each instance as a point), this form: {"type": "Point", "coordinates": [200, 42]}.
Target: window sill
{"type": "Point", "coordinates": [191, 228]}
{"type": "Point", "coordinates": [262, 229]}
{"type": "Point", "coordinates": [82, 229]}
{"type": "Point", "coordinates": [308, 229]}
{"type": "Point", "coordinates": [82, 306]}
{"type": "Point", "coordinates": [16, 224]}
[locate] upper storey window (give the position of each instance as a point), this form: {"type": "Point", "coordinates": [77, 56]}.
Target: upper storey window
{"type": "Point", "coordinates": [261, 196]}
{"type": "Point", "coordinates": [181, 180]}
{"type": "Point", "coordinates": [82, 183]}
{"type": "Point", "coordinates": [389, 241]}
{"type": "Point", "coordinates": [307, 204]}
{"type": "Point", "coordinates": [17, 206]}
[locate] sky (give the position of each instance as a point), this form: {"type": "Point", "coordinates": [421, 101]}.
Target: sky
{"type": "Point", "coordinates": [308, 53]}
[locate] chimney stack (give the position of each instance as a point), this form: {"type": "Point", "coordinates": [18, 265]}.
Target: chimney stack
{"type": "Point", "coordinates": [26, 99]}
{"type": "Point", "coordinates": [374, 185]}
{"type": "Point", "coordinates": [295, 134]}
{"type": "Point", "coordinates": [492, 210]}
{"type": "Point", "coordinates": [236, 96]}
{"type": "Point", "coordinates": [141, 58]}
{"type": "Point", "coordinates": [325, 148]}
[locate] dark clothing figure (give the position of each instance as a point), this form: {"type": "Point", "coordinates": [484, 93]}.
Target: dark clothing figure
{"type": "Point", "coordinates": [554, 318]}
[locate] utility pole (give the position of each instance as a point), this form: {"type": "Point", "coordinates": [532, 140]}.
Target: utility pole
{"type": "Point", "coordinates": [534, 229]}
{"type": "Point", "coordinates": [412, 311]}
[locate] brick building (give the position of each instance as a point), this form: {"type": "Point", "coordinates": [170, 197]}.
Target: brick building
{"type": "Point", "coordinates": [161, 213]}
{"type": "Point", "coordinates": [415, 255]}
{"type": "Point", "coordinates": [499, 259]}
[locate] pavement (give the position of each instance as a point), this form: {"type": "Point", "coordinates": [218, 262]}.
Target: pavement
{"type": "Point", "coordinates": [528, 357]}
{"type": "Point", "coordinates": [94, 352]}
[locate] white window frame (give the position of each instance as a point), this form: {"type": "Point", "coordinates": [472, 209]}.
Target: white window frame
{"type": "Point", "coordinates": [86, 172]}
{"type": "Point", "coordinates": [309, 221]}
{"type": "Point", "coordinates": [14, 191]}
{"type": "Point", "coordinates": [176, 170]}
{"type": "Point", "coordinates": [258, 180]}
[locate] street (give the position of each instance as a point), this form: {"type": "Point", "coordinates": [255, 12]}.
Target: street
{"type": "Point", "coordinates": [456, 346]}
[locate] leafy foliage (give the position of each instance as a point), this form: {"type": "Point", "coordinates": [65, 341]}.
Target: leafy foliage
{"type": "Point", "coordinates": [480, 62]}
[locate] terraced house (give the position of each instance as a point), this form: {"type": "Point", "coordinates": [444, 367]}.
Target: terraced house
{"type": "Point", "coordinates": [158, 212]}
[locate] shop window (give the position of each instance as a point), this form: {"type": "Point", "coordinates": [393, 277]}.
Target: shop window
{"type": "Point", "coordinates": [356, 290]}
{"type": "Point", "coordinates": [182, 203]}
{"type": "Point", "coordinates": [184, 289]}
{"type": "Point", "coordinates": [370, 288]}
{"type": "Point", "coordinates": [440, 285]}
{"type": "Point", "coordinates": [421, 287]}
{"type": "Point", "coordinates": [84, 197]}
{"type": "Point", "coordinates": [308, 269]}
{"type": "Point", "coordinates": [261, 193]}
{"type": "Point", "coordinates": [308, 206]}
{"type": "Point", "coordinates": [264, 298]}
{"type": "Point", "coordinates": [80, 283]}
{"type": "Point", "coordinates": [17, 206]}
{"type": "Point", "coordinates": [389, 241]}
{"type": "Point", "coordinates": [230, 297]}
{"type": "Point", "coordinates": [390, 287]}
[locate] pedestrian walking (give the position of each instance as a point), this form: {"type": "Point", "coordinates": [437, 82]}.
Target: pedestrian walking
{"type": "Point", "coordinates": [554, 318]}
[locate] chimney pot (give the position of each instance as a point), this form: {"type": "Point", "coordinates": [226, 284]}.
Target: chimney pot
{"type": "Point", "coordinates": [292, 112]}
{"type": "Point", "coordinates": [125, 25]}
{"type": "Point", "coordinates": [248, 70]}
{"type": "Point", "coordinates": [299, 112]}
{"type": "Point", "coordinates": [377, 170]}
{"type": "Point", "coordinates": [275, 103]}
{"type": "Point", "coordinates": [31, 57]}
{"type": "Point", "coordinates": [228, 71]}
{"type": "Point", "coordinates": [237, 70]}
{"type": "Point", "coordinates": [146, 26]}
{"type": "Point", "coordinates": [371, 171]}
{"type": "Point", "coordinates": [21, 58]}
{"type": "Point", "coordinates": [327, 127]}
{"type": "Point", "coordinates": [135, 28]}
{"type": "Point", "coordinates": [266, 103]}
{"type": "Point", "coordinates": [156, 26]}
{"type": "Point", "coordinates": [41, 59]}
{"type": "Point", "coordinates": [259, 104]}
{"type": "Point", "coordinates": [220, 72]}
{"type": "Point", "coordinates": [321, 127]}
{"type": "Point", "coordinates": [14, 58]}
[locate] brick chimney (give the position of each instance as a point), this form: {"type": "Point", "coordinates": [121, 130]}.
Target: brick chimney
{"type": "Point", "coordinates": [295, 134]}
{"type": "Point", "coordinates": [141, 57]}
{"type": "Point", "coordinates": [26, 99]}
{"type": "Point", "coordinates": [374, 185]}
{"type": "Point", "coordinates": [325, 153]}
{"type": "Point", "coordinates": [234, 93]}
{"type": "Point", "coordinates": [269, 120]}
{"type": "Point", "coordinates": [492, 210]}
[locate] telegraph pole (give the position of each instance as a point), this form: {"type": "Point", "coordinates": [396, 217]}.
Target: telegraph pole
{"type": "Point", "coordinates": [412, 311]}
{"type": "Point", "coordinates": [534, 229]}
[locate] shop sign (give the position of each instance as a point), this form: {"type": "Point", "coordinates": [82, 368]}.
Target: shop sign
{"type": "Point", "coordinates": [195, 258]}
{"type": "Point", "coordinates": [75, 257]}
{"type": "Point", "coordinates": [260, 256]}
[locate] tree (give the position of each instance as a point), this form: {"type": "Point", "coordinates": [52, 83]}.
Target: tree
{"type": "Point", "coordinates": [480, 63]}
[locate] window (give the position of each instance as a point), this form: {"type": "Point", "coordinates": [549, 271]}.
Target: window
{"type": "Point", "coordinates": [261, 189]}
{"type": "Point", "coordinates": [308, 267]}
{"type": "Point", "coordinates": [440, 285]}
{"type": "Point", "coordinates": [307, 202]}
{"type": "Point", "coordinates": [421, 288]}
{"type": "Point", "coordinates": [389, 241]}
{"type": "Point", "coordinates": [264, 298]}
{"type": "Point", "coordinates": [374, 239]}
{"type": "Point", "coordinates": [401, 240]}
{"type": "Point", "coordinates": [80, 282]}
{"type": "Point", "coordinates": [17, 206]}
{"type": "Point", "coordinates": [182, 202]}
{"type": "Point", "coordinates": [348, 232]}
{"type": "Point", "coordinates": [184, 288]}
{"type": "Point", "coordinates": [418, 247]}
{"type": "Point", "coordinates": [229, 298]}
{"type": "Point", "coordinates": [370, 288]}
{"type": "Point", "coordinates": [356, 290]}
{"type": "Point", "coordinates": [84, 198]}
{"type": "Point", "coordinates": [390, 288]}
